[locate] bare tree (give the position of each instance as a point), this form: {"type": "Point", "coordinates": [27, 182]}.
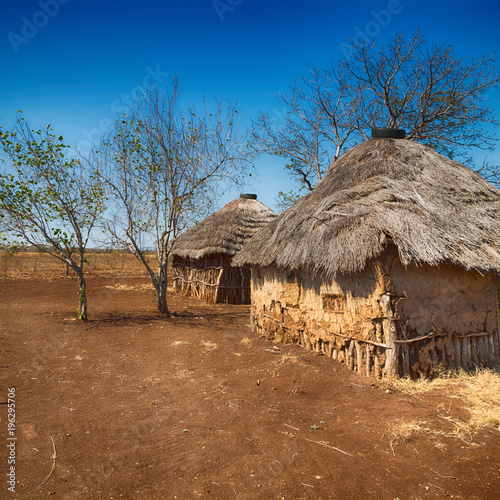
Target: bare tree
{"type": "Point", "coordinates": [47, 200]}
{"type": "Point", "coordinates": [490, 172]}
{"type": "Point", "coordinates": [162, 167]}
{"type": "Point", "coordinates": [438, 98]}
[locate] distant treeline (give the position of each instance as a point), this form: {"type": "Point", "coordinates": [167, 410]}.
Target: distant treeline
{"type": "Point", "coordinates": [33, 249]}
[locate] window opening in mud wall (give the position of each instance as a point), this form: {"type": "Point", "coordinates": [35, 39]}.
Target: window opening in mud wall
{"type": "Point", "coordinates": [333, 303]}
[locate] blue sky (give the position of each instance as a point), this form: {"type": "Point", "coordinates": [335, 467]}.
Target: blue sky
{"type": "Point", "coordinates": [71, 63]}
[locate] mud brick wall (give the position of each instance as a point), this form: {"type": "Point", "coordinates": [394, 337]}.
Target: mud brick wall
{"type": "Point", "coordinates": [385, 320]}
{"type": "Point", "coordinates": [457, 308]}
{"type": "Point", "coordinates": [445, 299]}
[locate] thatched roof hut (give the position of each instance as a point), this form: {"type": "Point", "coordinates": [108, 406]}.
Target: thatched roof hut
{"type": "Point", "coordinates": [202, 255]}
{"type": "Point", "coordinates": [388, 264]}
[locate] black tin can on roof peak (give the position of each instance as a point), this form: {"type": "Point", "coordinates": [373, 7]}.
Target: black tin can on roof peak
{"type": "Point", "coordinates": [248, 196]}
{"type": "Point", "coordinates": [392, 133]}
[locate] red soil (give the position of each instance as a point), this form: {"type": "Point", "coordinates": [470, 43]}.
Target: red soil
{"type": "Point", "coordinates": [196, 407]}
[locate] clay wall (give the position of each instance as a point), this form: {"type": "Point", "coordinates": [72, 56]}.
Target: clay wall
{"type": "Point", "coordinates": [385, 320]}
{"type": "Point", "coordinates": [445, 299]}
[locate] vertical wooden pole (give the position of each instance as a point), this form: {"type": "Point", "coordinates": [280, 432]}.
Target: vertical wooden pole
{"type": "Point", "coordinates": [359, 357]}
{"type": "Point", "coordinates": [217, 285]}
{"type": "Point", "coordinates": [474, 351]}
{"type": "Point", "coordinates": [390, 335]}
{"type": "Point", "coordinates": [351, 355]}
{"type": "Point", "coordinates": [243, 286]}
{"type": "Point", "coordinates": [369, 350]}
{"type": "Point", "coordinates": [341, 356]}
{"type": "Point", "coordinates": [481, 350]}
{"type": "Point", "coordinates": [491, 343]}
{"type": "Point", "coordinates": [405, 357]}
{"type": "Point", "coordinates": [450, 352]}
{"type": "Point", "coordinates": [496, 335]}
{"type": "Point", "coordinates": [465, 354]}
{"type": "Point", "coordinates": [376, 360]}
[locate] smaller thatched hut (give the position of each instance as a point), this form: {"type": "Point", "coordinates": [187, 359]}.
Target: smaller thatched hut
{"type": "Point", "coordinates": [201, 264]}
{"type": "Point", "coordinates": [389, 265]}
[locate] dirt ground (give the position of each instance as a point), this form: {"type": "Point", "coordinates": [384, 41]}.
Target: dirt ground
{"type": "Point", "coordinates": [198, 407]}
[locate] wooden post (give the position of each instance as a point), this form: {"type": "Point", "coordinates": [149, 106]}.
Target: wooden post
{"type": "Point", "coordinates": [217, 286]}
{"type": "Point", "coordinates": [442, 356]}
{"type": "Point", "coordinates": [351, 355]}
{"type": "Point", "coordinates": [376, 360]}
{"type": "Point", "coordinates": [452, 352]}
{"type": "Point", "coordinates": [433, 354]}
{"type": "Point", "coordinates": [474, 349]}
{"type": "Point", "coordinates": [458, 352]}
{"type": "Point", "coordinates": [486, 350]}
{"type": "Point", "coordinates": [481, 350]}
{"type": "Point", "coordinates": [491, 343]}
{"type": "Point", "coordinates": [341, 356]}
{"type": "Point", "coordinates": [465, 354]}
{"type": "Point", "coordinates": [496, 335]}
{"type": "Point", "coordinates": [359, 357]}
{"type": "Point", "coordinates": [369, 350]}
{"type": "Point", "coordinates": [405, 357]}
{"type": "Point", "coordinates": [242, 285]}
{"type": "Point", "coordinates": [330, 349]}
{"type": "Point", "coordinates": [390, 335]}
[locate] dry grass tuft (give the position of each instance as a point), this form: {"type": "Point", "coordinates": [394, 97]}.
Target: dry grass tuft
{"type": "Point", "coordinates": [209, 345]}
{"type": "Point", "coordinates": [479, 391]}
{"type": "Point", "coordinates": [288, 357]}
{"type": "Point", "coordinates": [281, 361]}
{"type": "Point", "coordinates": [246, 341]}
{"type": "Point", "coordinates": [406, 432]}
{"type": "Point", "coordinates": [129, 288]}
{"type": "Point", "coordinates": [180, 342]}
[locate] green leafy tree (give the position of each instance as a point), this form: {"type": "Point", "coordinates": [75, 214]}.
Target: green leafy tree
{"type": "Point", "coordinates": [46, 199]}
{"type": "Point", "coordinates": [163, 168]}
{"type": "Point", "coordinates": [439, 99]}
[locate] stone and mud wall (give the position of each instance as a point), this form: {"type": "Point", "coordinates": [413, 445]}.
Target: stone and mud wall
{"type": "Point", "coordinates": [386, 320]}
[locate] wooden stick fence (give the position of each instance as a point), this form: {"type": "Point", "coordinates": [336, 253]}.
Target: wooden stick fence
{"type": "Point", "coordinates": [369, 357]}
{"type": "Point", "coordinates": [212, 279]}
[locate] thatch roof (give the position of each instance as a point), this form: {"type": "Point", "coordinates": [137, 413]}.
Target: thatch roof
{"type": "Point", "coordinates": [432, 208]}
{"type": "Point", "coordinates": [224, 231]}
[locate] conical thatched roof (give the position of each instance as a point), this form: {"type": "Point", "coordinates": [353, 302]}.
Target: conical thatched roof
{"type": "Point", "coordinates": [224, 231]}
{"type": "Point", "coordinates": [434, 210]}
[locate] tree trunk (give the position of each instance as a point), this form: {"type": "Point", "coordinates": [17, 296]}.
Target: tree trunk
{"type": "Point", "coordinates": [161, 293]}
{"type": "Point", "coordinates": [82, 297]}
